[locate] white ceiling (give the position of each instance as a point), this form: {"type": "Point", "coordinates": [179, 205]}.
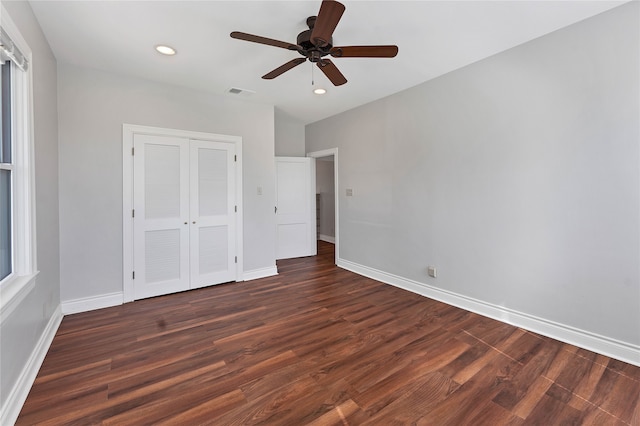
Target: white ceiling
{"type": "Point", "coordinates": [434, 37]}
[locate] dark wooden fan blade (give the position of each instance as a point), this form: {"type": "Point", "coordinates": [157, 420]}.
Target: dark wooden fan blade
{"type": "Point", "coordinates": [332, 72]}
{"type": "Point", "coordinates": [283, 68]}
{"type": "Point", "coordinates": [364, 51]}
{"type": "Point", "coordinates": [326, 22]}
{"type": "Point", "coordinates": [263, 40]}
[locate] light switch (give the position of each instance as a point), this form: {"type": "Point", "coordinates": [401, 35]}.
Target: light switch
{"type": "Point", "coordinates": [259, 190]}
{"type": "Point", "coordinates": [432, 271]}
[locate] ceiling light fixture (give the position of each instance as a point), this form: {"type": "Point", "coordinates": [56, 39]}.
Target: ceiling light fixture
{"type": "Point", "coordinates": [166, 50]}
{"type": "Point", "coordinates": [319, 91]}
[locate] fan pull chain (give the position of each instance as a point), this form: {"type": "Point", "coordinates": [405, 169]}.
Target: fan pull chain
{"type": "Point", "coordinates": [312, 80]}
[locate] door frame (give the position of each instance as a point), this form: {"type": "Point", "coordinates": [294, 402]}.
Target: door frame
{"type": "Point", "coordinates": [327, 153]}
{"type": "Point", "coordinates": [128, 133]}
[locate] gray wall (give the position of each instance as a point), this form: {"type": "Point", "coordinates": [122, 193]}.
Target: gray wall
{"type": "Point", "coordinates": [325, 186]}
{"type": "Point", "coordinates": [93, 105]}
{"type": "Point", "coordinates": [289, 135]}
{"type": "Point", "coordinates": [21, 331]}
{"type": "Point", "coordinates": [517, 176]}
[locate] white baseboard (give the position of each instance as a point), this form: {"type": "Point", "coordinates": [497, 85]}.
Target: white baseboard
{"type": "Point", "coordinates": [254, 274]}
{"type": "Point", "coordinates": [18, 395]}
{"type": "Point", "coordinates": [327, 238]}
{"type": "Point", "coordinates": [601, 344]}
{"type": "Point", "coordinates": [92, 303]}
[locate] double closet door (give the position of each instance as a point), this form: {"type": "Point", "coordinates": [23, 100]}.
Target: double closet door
{"type": "Point", "coordinates": [184, 214]}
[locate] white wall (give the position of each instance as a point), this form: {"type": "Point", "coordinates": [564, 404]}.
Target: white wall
{"type": "Point", "coordinates": [517, 176]}
{"type": "Point", "coordinates": [289, 135]}
{"type": "Point", "coordinates": [24, 332]}
{"type": "Point", "coordinates": [93, 106]}
{"type": "Point", "coordinates": [325, 186]}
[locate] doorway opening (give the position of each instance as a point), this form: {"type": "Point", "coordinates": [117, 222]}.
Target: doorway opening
{"type": "Point", "coordinates": [327, 211]}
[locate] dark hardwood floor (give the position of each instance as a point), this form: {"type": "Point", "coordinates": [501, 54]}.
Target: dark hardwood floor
{"type": "Point", "coordinates": [318, 345]}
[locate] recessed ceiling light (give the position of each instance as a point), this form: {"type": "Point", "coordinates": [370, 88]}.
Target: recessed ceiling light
{"type": "Point", "coordinates": [166, 50]}
{"type": "Point", "coordinates": [319, 91]}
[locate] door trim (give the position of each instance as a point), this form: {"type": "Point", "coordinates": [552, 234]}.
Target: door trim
{"type": "Point", "coordinates": [327, 153]}
{"type": "Point", "coordinates": [128, 132]}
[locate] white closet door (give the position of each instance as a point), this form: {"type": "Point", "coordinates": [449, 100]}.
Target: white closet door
{"type": "Point", "coordinates": [161, 206]}
{"type": "Point", "coordinates": [213, 216]}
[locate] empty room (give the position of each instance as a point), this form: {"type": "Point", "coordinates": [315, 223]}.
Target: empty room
{"type": "Point", "coordinates": [319, 212]}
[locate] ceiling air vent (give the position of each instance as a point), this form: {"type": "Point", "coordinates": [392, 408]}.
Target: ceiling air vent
{"type": "Point", "coordinates": [239, 91]}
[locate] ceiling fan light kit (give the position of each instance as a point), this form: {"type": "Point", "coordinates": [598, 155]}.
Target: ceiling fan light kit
{"type": "Point", "coordinates": [316, 43]}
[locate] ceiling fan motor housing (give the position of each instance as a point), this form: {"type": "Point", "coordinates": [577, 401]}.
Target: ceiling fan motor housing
{"type": "Point", "coordinates": [310, 50]}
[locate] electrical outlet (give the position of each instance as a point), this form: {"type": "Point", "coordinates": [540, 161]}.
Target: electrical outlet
{"type": "Point", "coordinates": [349, 192]}
{"type": "Point", "coordinates": [432, 271]}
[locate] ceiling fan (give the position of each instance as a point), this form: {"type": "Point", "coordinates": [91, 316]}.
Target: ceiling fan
{"type": "Point", "coordinates": [316, 43]}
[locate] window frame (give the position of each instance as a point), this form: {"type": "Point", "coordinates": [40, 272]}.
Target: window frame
{"type": "Point", "coordinates": [15, 286]}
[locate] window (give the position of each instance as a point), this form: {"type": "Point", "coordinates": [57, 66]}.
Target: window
{"type": "Point", "coordinates": [6, 171]}
{"type": "Point", "coordinates": [17, 231]}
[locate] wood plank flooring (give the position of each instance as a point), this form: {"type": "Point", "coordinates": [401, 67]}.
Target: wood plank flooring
{"type": "Point", "coordinates": [318, 345]}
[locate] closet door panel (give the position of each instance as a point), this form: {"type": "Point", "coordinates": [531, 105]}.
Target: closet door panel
{"type": "Point", "coordinates": [213, 215]}
{"type": "Point", "coordinates": [161, 212]}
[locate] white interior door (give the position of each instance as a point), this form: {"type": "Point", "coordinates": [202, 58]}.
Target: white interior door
{"type": "Point", "coordinates": [213, 216]}
{"type": "Point", "coordinates": [161, 215]}
{"type": "Point", "coordinates": [295, 207]}
{"type": "Point", "coordinates": [185, 214]}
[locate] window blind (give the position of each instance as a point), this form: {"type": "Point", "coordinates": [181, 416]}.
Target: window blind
{"type": "Point", "coordinates": [10, 52]}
